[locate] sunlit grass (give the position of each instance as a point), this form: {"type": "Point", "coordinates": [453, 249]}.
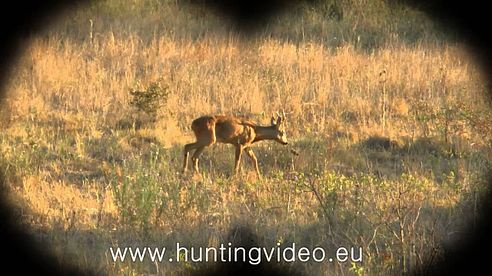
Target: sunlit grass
{"type": "Point", "coordinates": [393, 145]}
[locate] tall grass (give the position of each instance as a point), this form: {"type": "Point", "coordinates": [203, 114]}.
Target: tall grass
{"type": "Point", "coordinates": [321, 89]}
{"type": "Point", "coordinates": [391, 128]}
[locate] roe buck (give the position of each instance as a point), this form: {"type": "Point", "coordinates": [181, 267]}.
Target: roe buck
{"type": "Point", "coordinates": [232, 130]}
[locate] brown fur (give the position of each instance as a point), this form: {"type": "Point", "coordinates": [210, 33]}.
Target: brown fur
{"type": "Point", "coordinates": [232, 130]}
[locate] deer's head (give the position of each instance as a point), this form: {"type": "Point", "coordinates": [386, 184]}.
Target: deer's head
{"type": "Point", "coordinates": [279, 126]}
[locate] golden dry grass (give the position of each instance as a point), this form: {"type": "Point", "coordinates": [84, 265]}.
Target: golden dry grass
{"type": "Point", "coordinates": [313, 84]}
{"type": "Point", "coordinates": [72, 143]}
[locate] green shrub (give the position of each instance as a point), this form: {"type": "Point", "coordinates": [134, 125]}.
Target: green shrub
{"type": "Point", "coordinates": [150, 100]}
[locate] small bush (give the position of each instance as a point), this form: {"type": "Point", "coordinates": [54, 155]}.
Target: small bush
{"type": "Point", "coordinates": [150, 100]}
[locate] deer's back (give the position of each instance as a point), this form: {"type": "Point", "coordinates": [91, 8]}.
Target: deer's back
{"type": "Point", "coordinates": [227, 129]}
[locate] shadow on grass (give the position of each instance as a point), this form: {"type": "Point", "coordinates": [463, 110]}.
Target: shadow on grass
{"type": "Point", "coordinates": [430, 157]}
{"type": "Point", "coordinates": [380, 156]}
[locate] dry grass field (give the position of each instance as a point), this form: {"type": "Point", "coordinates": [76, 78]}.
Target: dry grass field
{"type": "Point", "coordinates": [393, 139]}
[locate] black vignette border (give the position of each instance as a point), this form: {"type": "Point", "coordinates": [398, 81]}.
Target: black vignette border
{"type": "Point", "coordinates": [19, 19]}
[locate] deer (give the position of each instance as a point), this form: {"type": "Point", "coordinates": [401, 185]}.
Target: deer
{"type": "Point", "coordinates": [233, 130]}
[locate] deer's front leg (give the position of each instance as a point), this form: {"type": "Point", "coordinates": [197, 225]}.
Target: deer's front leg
{"type": "Point", "coordinates": [252, 155]}
{"type": "Point", "coordinates": [239, 152]}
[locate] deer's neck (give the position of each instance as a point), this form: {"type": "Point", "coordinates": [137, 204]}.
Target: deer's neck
{"type": "Point", "coordinates": [264, 133]}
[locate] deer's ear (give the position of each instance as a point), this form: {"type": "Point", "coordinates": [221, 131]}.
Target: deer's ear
{"type": "Point", "coordinates": [273, 121]}
{"type": "Point", "coordinates": [279, 120]}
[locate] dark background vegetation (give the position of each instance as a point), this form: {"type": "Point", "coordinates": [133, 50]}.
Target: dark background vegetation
{"type": "Point", "coordinates": [468, 20]}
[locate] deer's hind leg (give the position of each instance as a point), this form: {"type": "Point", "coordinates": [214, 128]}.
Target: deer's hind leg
{"type": "Point", "coordinates": [187, 149]}
{"type": "Point", "coordinates": [204, 141]}
{"type": "Point", "coordinates": [195, 157]}
{"type": "Point", "coordinates": [204, 129]}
